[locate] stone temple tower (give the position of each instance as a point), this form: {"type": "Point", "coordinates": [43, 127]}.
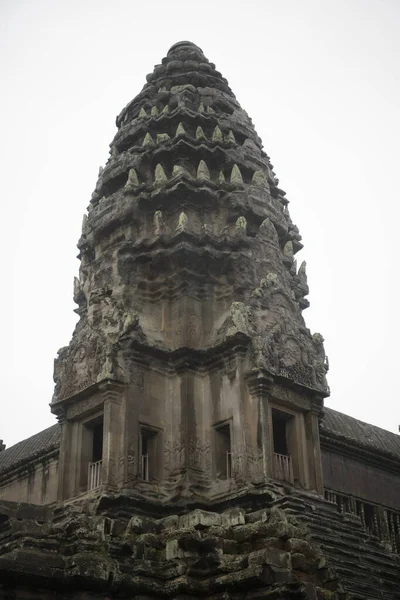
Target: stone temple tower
{"type": "Point", "coordinates": [191, 375]}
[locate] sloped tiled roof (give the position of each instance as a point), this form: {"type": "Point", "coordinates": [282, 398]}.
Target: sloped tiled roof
{"type": "Point", "coordinates": [31, 447]}
{"type": "Point", "coordinates": [337, 423]}
{"type": "Point", "coordinates": [363, 434]}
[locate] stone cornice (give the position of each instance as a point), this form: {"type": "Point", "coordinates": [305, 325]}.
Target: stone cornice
{"type": "Point", "coordinates": [87, 389]}
{"type": "Point", "coordinates": [24, 466]}
{"type": "Point", "coordinates": [353, 449]}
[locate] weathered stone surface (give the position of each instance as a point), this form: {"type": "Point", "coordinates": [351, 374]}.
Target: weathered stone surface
{"type": "Point", "coordinates": [81, 550]}
{"type": "Point", "coordinates": [190, 395]}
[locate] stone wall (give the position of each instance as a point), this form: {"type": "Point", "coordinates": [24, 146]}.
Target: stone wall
{"type": "Point", "coordinates": [35, 482]}
{"type": "Point", "coordinates": [362, 479]}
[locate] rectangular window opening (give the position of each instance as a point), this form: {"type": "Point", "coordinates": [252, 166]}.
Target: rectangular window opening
{"type": "Point", "coordinates": [366, 512]}
{"type": "Point", "coordinates": [148, 453]}
{"type": "Point", "coordinates": [223, 451]}
{"type": "Point", "coordinates": [95, 434]}
{"type": "Point", "coordinates": [282, 432]}
{"type": "Point", "coordinates": [97, 446]}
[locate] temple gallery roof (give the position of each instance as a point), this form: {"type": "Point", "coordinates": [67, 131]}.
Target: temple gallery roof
{"type": "Point", "coordinates": [336, 423]}
{"type": "Point", "coordinates": [363, 434]}
{"type": "Point", "coordinates": [31, 448]}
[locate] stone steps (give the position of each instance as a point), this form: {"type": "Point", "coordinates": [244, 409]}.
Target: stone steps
{"type": "Point", "coordinates": [369, 571]}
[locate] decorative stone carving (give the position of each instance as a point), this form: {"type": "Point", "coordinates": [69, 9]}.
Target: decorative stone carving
{"type": "Point", "coordinates": [241, 225]}
{"type": "Point", "coordinates": [182, 222]}
{"type": "Point", "coordinates": [158, 222]}
{"type": "Point", "coordinates": [160, 177]}
{"type": "Point", "coordinates": [203, 174]}
{"type": "Point", "coordinates": [106, 327]}
{"type": "Point", "coordinates": [188, 267]}
{"type": "Point", "coordinates": [236, 177]}
{"type": "Point", "coordinates": [133, 180]}
{"type": "Point", "coordinates": [239, 320]}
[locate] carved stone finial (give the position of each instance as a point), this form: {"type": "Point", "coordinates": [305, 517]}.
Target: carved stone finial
{"type": "Point", "coordinates": [158, 222]}
{"type": "Point", "coordinates": [160, 177]}
{"type": "Point", "coordinates": [77, 287]}
{"type": "Point", "coordinates": [217, 135]}
{"type": "Point", "coordinates": [236, 176]}
{"type": "Point", "coordinates": [165, 110]}
{"type": "Point", "coordinates": [142, 113]}
{"type": "Point", "coordinates": [133, 180]}
{"type": "Point", "coordinates": [230, 137]}
{"type": "Point", "coordinates": [154, 111]}
{"type": "Point", "coordinates": [180, 130]}
{"type": "Point", "coordinates": [251, 146]}
{"type": "Point", "coordinates": [180, 171]}
{"type": "Point", "coordinates": [84, 220]}
{"type": "Point", "coordinates": [148, 140]}
{"type": "Point", "coordinates": [268, 232]}
{"type": "Point", "coordinates": [241, 224]}
{"type": "Point", "coordinates": [302, 274]}
{"type": "Point", "coordinates": [210, 110]}
{"type": "Point", "coordinates": [202, 171]}
{"type": "Point", "coordinates": [270, 280]}
{"type": "Point", "coordinates": [259, 179]}
{"type": "Point", "coordinates": [182, 222]}
{"type": "Point", "coordinates": [200, 135]}
{"type": "Point", "coordinates": [201, 107]}
{"type": "Point", "coordinates": [239, 320]}
{"type": "Point", "coordinates": [162, 137]}
{"type": "Point", "coordinates": [221, 177]}
{"type": "Point", "coordinates": [288, 249]}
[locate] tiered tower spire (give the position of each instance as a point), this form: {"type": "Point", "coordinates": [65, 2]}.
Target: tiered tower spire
{"type": "Point", "coordinates": [191, 336]}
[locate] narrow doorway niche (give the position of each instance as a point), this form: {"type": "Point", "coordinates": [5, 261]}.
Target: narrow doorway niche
{"type": "Point", "coordinates": [95, 435]}
{"type": "Point", "coordinates": [223, 451]}
{"type": "Point", "coordinates": [148, 451]}
{"type": "Point", "coordinates": [283, 425]}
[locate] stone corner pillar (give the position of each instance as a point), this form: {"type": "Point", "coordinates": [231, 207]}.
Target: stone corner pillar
{"type": "Point", "coordinates": [113, 393]}
{"type": "Point", "coordinates": [259, 382]}
{"type": "Point", "coordinates": [314, 447]}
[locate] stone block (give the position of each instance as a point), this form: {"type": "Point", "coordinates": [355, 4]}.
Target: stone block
{"type": "Point", "coordinates": [258, 515]}
{"type": "Point", "coordinates": [282, 530]}
{"type": "Point", "coordinates": [173, 550]}
{"type": "Point", "coordinates": [233, 517]}
{"type": "Point", "coordinates": [230, 563]}
{"type": "Point", "coordinates": [311, 592]}
{"type": "Point", "coordinates": [272, 574]}
{"type": "Point", "coordinates": [117, 527]}
{"type": "Point", "coordinates": [139, 525]}
{"type": "Point", "coordinates": [148, 539]}
{"type": "Point", "coordinates": [229, 546]}
{"type": "Point", "coordinates": [169, 523]}
{"type": "Point", "coordinates": [301, 562]}
{"type": "Point", "coordinates": [302, 546]}
{"type": "Point", "coordinates": [270, 556]}
{"type": "Point", "coordinates": [200, 519]}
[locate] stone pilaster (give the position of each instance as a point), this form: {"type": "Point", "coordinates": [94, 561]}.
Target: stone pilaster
{"type": "Point", "coordinates": [113, 441]}
{"type": "Point", "coordinates": [259, 383]}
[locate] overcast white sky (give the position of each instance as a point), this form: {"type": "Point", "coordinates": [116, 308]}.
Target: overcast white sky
{"type": "Point", "coordinates": [320, 80]}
